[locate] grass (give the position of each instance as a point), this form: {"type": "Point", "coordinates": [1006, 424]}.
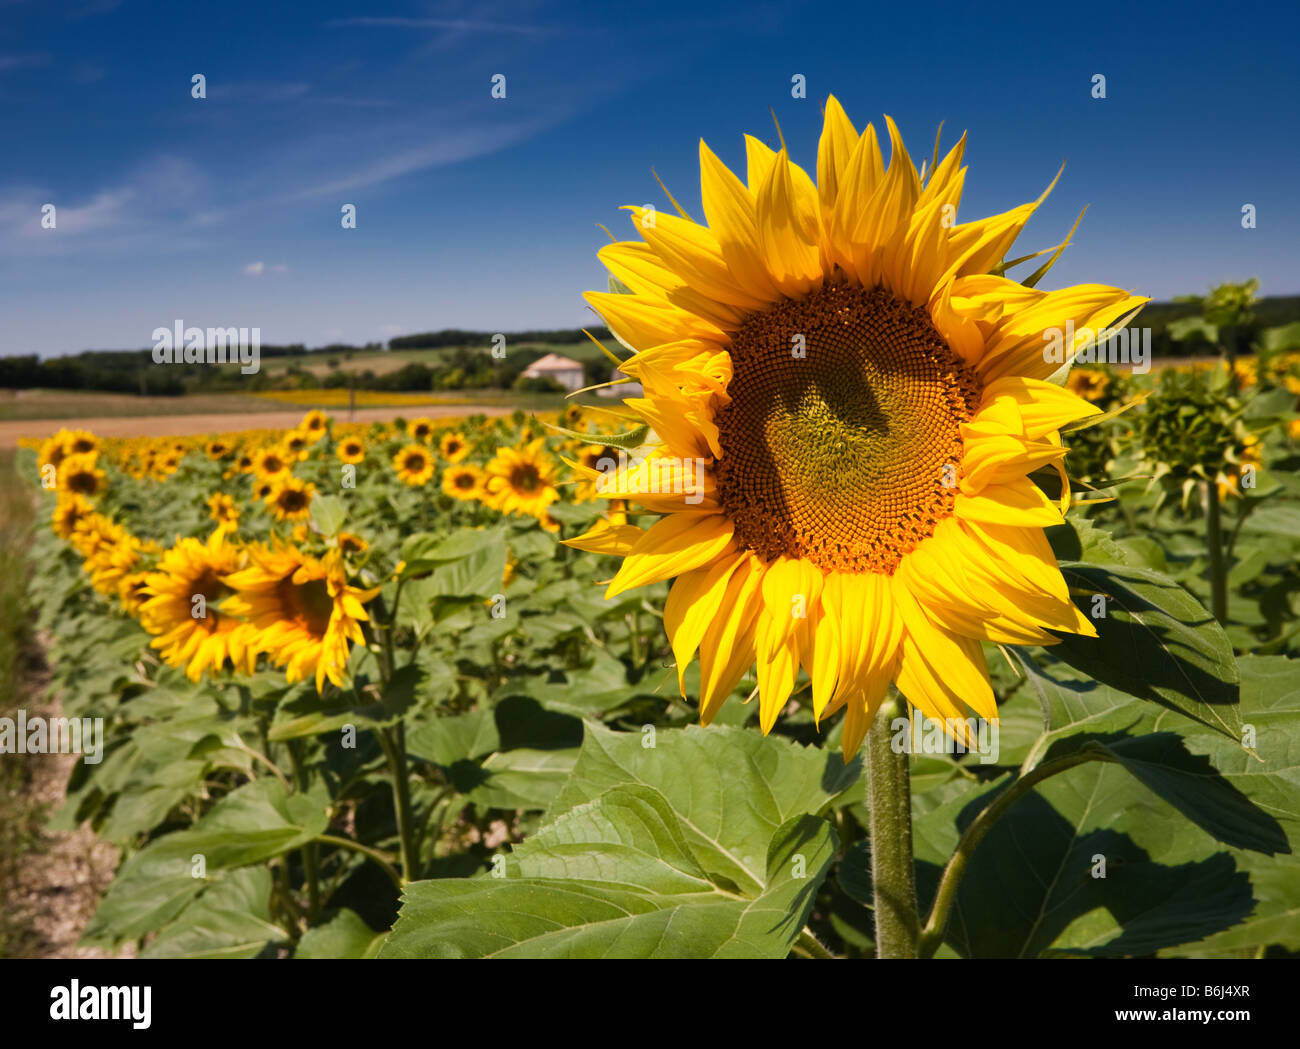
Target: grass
{"type": "Point", "coordinates": [25, 405]}
{"type": "Point", "coordinates": [20, 820]}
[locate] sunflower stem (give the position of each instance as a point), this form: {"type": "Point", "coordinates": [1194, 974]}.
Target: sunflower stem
{"type": "Point", "coordinates": [1214, 543]}
{"type": "Point", "coordinates": [394, 744]}
{"type": "Point", "coordinates": [889, 802]}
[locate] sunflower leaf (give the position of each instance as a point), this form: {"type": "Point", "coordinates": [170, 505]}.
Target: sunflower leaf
{"type": "Point", "coordinates": [1154, 641]}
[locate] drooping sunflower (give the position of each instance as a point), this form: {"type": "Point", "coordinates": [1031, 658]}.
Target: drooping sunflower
{"type": "Point", "coordinates": [290, 499]}
{"type": "Point", "coordinates": [454, 447]}
{"type": "Point", "coordinates": [463, 482]}
{"type": "Point", "coordinates": [224, 510]}
{"type": "Point", "coordinates": [846, 402]}
{"type": "Point", "coordinates": [303, 610]}
{"type": "Point", "coordinates": [352, 450]}
{"type": "Point", "coordinates": [192, 633]}
{"type": "Point", "coordinates": [521, 481]}
{"type": "Point", "coordinates": [69, 512]}
{"type": "Point", "coordinates": [414, 465]}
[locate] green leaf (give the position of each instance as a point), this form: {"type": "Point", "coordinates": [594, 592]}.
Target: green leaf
{"type": "Point", "coordinates": [345, 935]}
{"type": "Point", "coordinates": [616, 878]}
{"type": "Point", "coordinates": [731, 788]}
{"type": "Point", "coordinates": [523, 778]}
{"type": "Point", "coordinates": [1156, 642]}
{"type": "Point", "coordinates": [1078, 716]}
{"type": "Point", "coordinates": [328, 513]}
{"type": "Point", "coordinates": [231, 919]}
{"type": "Point", "coordinates": [249, 825]}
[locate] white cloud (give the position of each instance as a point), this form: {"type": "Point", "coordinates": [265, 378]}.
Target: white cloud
{"type": "Point", "coordinates": [254, 269]}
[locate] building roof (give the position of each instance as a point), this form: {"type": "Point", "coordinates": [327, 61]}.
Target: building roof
{"type": "Point", "coordinates": [553, 362]}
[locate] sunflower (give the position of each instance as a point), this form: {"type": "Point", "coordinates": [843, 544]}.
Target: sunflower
{"type": "Point", "coordinates": [351, 543]}
{"type": "Point", "coordinates": [133, 592]}
{"type": "Point", "coordinates": [78, 442]}
{"type": "Point", "coordinates": [271, 463]}
{"type": "Point", "coordinates": [414, 464]}
{"type": "Point", "coordinates": [197, 635]}
{"type": "Point", "coordinates": [314, 424]}
{"type": "Point", "coordinates": [1089, 383]}
{"type": "Point", "coordinates": [303, 609]}
{"type": "Point", "coordinates": [216, 449]}
{"type": "Point", "coordinates": [463, 482]}
{"type": "Point", "coordinates": [80, 475]}
{"type": "Point", "coordinates": [290, 499]}
{"type": "Point", "coordinates": [454, 447]}
{"type": "Point", "coordinates": [420, 429]}
{"type": "Point", "coordinates": [295, 444]}
{"type": "Point", "coordinates": [521, 481]}
{"type": "Point", "coordinates": [352, 450]}
{"type": "Point", "coordinates": [846, 401]}
{"type": "Point", "coordinates": [223, 510]}
{"type": "Point", "coordinates": [69, 512]}
{"type": "Point", "coordinates": [595, 461]}
{"type": "Point", "coordinates": [263, 489]}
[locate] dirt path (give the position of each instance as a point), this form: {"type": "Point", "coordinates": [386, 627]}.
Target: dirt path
{"type": "Point", "coordinates": [180, 425]}
{"type": "Point", "coordinates": [59, 882]}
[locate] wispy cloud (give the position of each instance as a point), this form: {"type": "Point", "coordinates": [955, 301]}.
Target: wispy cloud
{"type": "Point", "coordinates": [29, 60]}
{"type": "Point", "coordinates": [453, 25]}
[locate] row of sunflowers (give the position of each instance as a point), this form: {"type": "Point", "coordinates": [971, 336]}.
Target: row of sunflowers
{"type": "Point", "coordinates": [290, 594]}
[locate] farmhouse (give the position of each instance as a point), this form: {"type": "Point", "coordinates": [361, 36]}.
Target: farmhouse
{"type": "Point", "coordinates": [563, 370]}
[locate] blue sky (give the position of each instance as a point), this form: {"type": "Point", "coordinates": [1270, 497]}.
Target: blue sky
{"type": "Point", "coordinates": [482, 213]}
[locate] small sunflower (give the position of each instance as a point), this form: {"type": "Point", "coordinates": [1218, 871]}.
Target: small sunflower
{"type": "Point", "coordinates": [181, 606]}
{"type": "Point", "coordinates": [271, 463]}
{"type": "Point", "coordinates": [463, 482]}
{"type": "Point", "coordinates": [314, 424]}
{"type": "Point", "coordinates": [69, 512]}
{"type": "Point", "coordinates": [414, 465]}
{"type": "Point", "coordinates": [351, 543]}
{"type": "Point", "coordinates": [216, 449]}
{"type": "Point", "coordinates": [303, 610]}
{"type": "Point", "coordinates": [454, 447]}
{"type": "Point", "coordinates": [223, 510]}
{"type": "Point", "coordinates": [80, 475]}
{"type": "Point", "coordinates": [352, 450]}
{"type": "Point", "coordinates": [262, 490]}
{"type": "Point", "coordinates": [290, 499]}
{"type": "Point", "coordinates": [521, 481]}
{"type": "Point", "coordinates": [420, 429]}
{"type": "Point", "coordinates": [1088, 383]}
{"type": "Point", "coordinates": [849, 399]}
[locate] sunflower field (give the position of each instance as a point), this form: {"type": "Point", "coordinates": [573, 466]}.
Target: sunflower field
{"type": "Point", "coordinates": [865, 630]}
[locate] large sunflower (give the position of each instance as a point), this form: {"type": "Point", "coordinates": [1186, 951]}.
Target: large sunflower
{"type": "Point", "coordinates": [846, 400]}
{"type": "Point", "coordinates": [303, 609]}
{"type": "Point", "coordinates": [198, 636]}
